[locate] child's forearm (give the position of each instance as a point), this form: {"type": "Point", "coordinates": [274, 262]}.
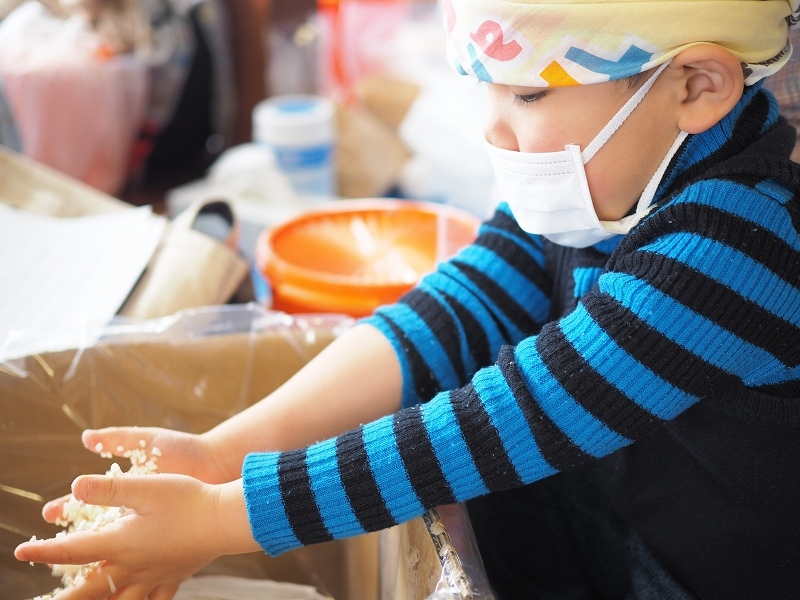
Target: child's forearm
{"type": "Point", "coordinates": [354, 380]}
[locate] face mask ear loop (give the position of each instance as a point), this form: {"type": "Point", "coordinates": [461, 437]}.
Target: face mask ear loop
{"type": "Point", "coordinates": [619, 118]}
{"type": "Point", "coordinates": [643, 206]}
{"type": "Point", "coordinates": [650, 190]}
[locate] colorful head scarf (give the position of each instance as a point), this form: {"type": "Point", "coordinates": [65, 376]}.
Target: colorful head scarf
{"type": "Point", "coordinates": [556, 43]}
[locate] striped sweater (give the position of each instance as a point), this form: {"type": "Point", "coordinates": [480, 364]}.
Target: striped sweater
{"type": "Point", "coordinates": [521, 358]}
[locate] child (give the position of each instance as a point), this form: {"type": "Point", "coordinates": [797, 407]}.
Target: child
{"type": "Point", "coordinates": [609, 375]}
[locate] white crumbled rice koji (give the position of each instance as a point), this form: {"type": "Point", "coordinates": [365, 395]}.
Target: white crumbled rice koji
{"type": "Point", "coordinates": [76, 515]}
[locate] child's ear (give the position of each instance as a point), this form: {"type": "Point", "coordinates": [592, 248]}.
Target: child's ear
{"type": "Point", "coordinates": [712, 83]}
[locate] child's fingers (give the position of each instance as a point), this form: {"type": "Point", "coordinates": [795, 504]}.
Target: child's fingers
{"type": "Point", "coordinates": [102, 583]}
{"type": "Point", "coordinates": [102, 490]}
{"type": "Point", "coordinates": [136, 591]}
{"type": "Point", "coordinates": [165, 592]}
{"type": "Point", "coordinates": [147, 592]}
{"type": "Point", "coordinates": [54, 509]}
{"type": "Point", "coordinates": [78, 548]}
{"type": "Point", "coordinates": [97, 489]}
{"type": "Point", "coordinates": [116, 440]}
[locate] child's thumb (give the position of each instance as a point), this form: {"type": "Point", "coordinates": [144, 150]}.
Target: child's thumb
{"type": "Point", "coordinates": [105, 490]}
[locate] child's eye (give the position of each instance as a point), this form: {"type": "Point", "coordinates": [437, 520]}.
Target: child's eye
{"type": "Point", "coordinates": [523, 99]}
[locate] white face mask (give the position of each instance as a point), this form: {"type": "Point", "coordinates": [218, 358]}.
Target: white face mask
{"type": "Point", "coordinates": [548, 192]}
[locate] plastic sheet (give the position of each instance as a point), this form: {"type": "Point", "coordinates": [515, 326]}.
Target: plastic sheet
{"type": "Point", "coordinates": [189, 372]}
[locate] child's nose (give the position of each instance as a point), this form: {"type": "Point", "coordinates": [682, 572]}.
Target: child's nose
{"type": "Point", "coordinates": [496, 129]}
{"type": "Point", "coordinates": [500, 135]}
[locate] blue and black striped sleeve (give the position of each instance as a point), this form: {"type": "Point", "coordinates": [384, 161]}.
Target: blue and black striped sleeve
{"type": "Point", "coordinates": [702, 297]}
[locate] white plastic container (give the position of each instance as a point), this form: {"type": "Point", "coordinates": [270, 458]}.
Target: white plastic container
{"type": "Point", "coordinates": [301, 131]}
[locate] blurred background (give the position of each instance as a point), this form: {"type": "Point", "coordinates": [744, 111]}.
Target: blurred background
{"type": "Point", "coordinates": [141, 97]}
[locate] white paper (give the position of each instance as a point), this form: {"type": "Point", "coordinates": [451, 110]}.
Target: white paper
{"type": "Point", "coordinates": [223, 587]}
{"type": "Point", "coordinates": [62, 280]}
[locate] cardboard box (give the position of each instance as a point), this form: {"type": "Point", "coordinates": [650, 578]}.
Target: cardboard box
{"type": "Point", "coordinates": [190, 372]}
{"type": "Point", "coordinates": [32, 186]}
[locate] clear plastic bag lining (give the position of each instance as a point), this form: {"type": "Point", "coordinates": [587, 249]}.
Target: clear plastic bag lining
{"type": "Point", "coordinates": [189, 372]}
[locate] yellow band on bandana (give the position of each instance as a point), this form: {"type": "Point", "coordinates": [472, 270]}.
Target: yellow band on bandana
{"type": "Point", "coordinates": [556, 43]}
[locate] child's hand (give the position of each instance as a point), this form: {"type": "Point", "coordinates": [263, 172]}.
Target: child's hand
{"type": "Point", "coordinates": [179, 452]}
{"type": "Point", "coordinates": [174, 526]}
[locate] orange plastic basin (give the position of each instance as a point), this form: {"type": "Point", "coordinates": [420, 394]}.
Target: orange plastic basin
{"type": "Point", "coordinates": [354, 255]}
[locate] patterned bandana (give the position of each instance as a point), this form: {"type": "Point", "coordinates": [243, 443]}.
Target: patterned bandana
{"type": "Point", "coordinates": [556, 43]}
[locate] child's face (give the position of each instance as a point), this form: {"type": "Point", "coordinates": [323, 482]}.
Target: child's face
{"type": "Point", "coordinates": [546, 119]}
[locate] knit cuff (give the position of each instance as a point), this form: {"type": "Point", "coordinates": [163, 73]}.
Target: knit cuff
{"type": "Point", "coordinates": [262, 494]}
